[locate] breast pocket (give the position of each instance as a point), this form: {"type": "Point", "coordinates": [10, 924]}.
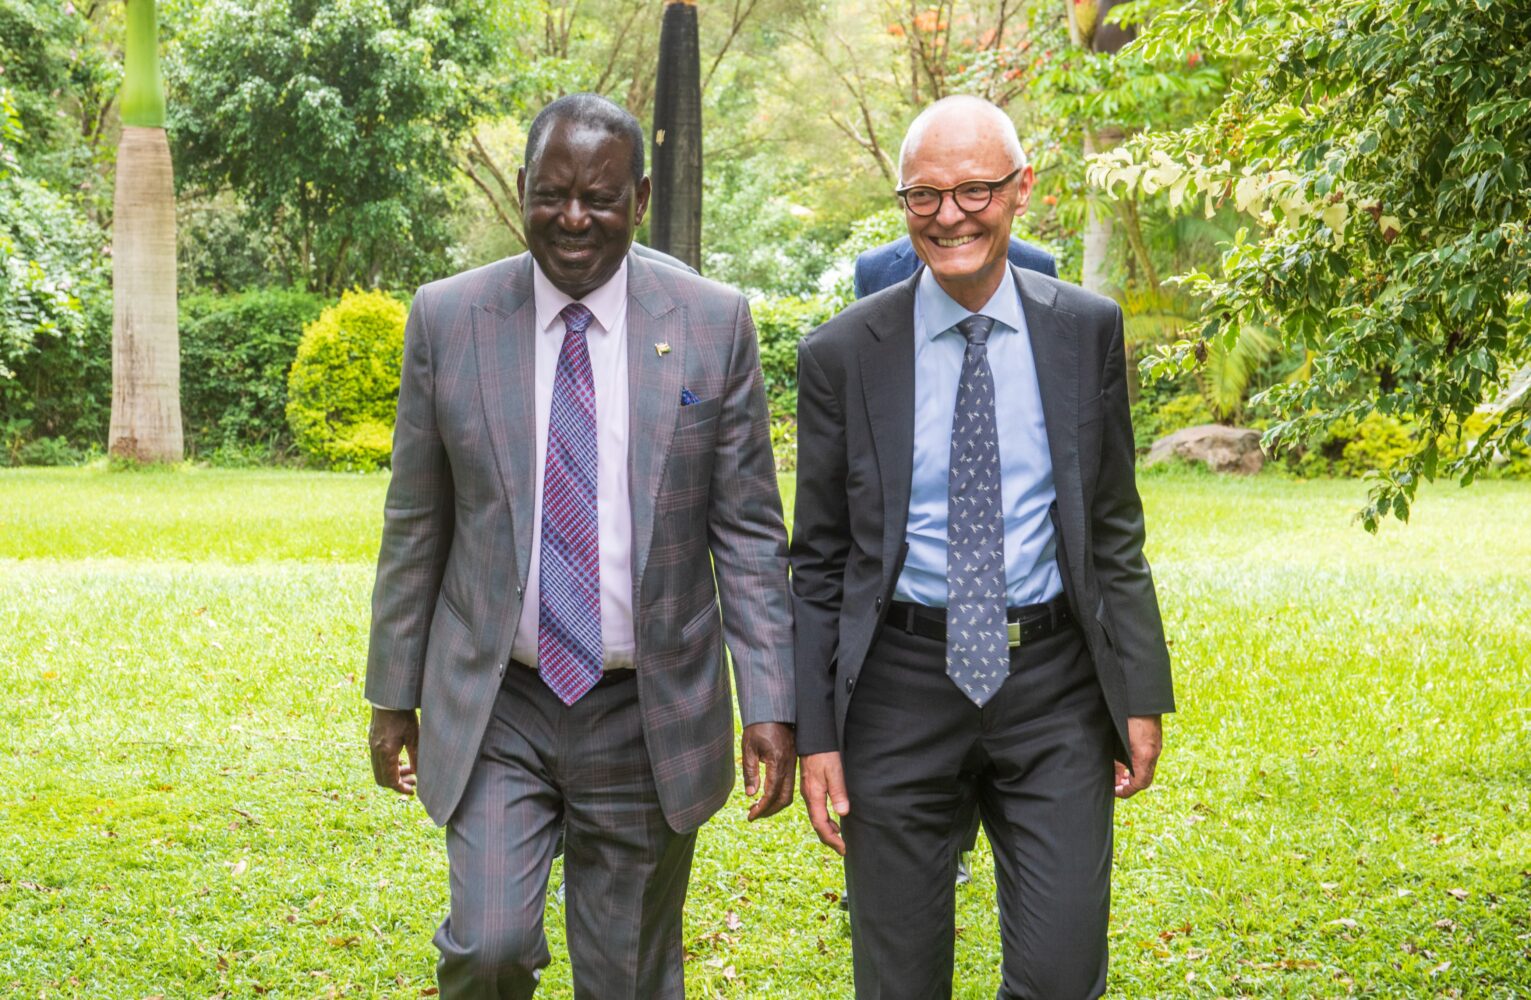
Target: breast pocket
{"type": "Point", "coordinates": [698, 414]}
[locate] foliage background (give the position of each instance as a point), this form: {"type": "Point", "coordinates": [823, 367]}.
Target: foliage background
{"type": "Point", "coordinates": [334, 144]}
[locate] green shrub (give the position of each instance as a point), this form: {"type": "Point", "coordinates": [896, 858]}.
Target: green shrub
{"type": "Point", "coordinates": [1352, 447]}
{"type": "Point", "coordinates": [1377, 442]}
{"type": "Point", "coordinates": [1180, 412]}
{"type": "Point", "coordinates": [344, 386]}
{"type": "Point", "coordinates": [55, 310]}
{"type": "Point", "coordinates": [236, 352]}
{"type": "Point", "coordinates": [1513, 462]}
{"type": "Point", "coordinates": [780, 323]}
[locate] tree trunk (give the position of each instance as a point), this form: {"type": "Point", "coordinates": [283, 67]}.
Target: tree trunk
{"type": "Point", "coordinates": [676, 212]}
{"type": "Point", "coordinates": [146, 359]}
{"type": "Point", "coordinates": [1098, 36]}
{"type": "Point", "coordinates": [1097, 234]}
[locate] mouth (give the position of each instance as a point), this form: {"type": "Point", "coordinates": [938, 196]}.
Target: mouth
{"type": "Point", "coordinates": [953, 242]}
{"type": "Point", "coordinates": [574, 252]}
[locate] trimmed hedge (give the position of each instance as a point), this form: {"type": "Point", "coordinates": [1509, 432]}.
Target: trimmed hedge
{"type": "Point", "coordinates": [236, 353]}
{"type": "Point", "coordinates": [343, 390]}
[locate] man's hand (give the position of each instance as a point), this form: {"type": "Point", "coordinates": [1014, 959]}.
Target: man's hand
{"type": "Point", "coordinates": [1145, 738]}
{"type": "Point", "coordinates": [771, 744]}
{"type": "Point", "coordinates": [824, 780]}
{"type": "Point", "coordinates": [392, 732]}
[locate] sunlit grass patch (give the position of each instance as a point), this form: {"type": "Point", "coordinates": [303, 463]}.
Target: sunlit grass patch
{"type": "Point", "coordinates": [1342, 807]}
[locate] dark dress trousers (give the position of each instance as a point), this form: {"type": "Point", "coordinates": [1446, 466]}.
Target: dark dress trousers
{"type": "Point", "coordinates": [891, 263]}
{"type": "Point", "coordinates": [1036, 759]}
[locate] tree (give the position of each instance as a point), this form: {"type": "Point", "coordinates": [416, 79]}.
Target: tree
{"type": "Point", "coordinates": [337, 123]}
{"type": "Point", "coordinates": [146, 360]}
{"type": "Point", "coordinates": [676, 221]}
{"type": "Point", "coordinates": [1383, 157]}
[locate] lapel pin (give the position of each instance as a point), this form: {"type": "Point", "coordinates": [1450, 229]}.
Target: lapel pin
{"type": "Point", "coordinates": [662, 348]}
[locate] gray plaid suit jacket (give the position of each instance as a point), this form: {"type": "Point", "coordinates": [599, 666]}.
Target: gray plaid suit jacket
{"type": "Point", "coordinates": [707, 525]}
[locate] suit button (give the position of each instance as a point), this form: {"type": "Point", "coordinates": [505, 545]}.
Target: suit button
{"type": "Point", "coordinates": [877, 604]}
{"type": "Point", "coordinates": [518, 591]}
{"type": "Point", "coordinates": [850, 684]}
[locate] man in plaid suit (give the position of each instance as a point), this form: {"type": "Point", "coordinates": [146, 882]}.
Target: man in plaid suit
{"type": "Point", "coordinates": [582, 473]}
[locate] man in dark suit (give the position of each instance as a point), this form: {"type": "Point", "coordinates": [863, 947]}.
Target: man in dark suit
{"type": "Point", "coordinates": [887, 265]}
{"type": "Point", "coordinates": [582, 469]}
{"type": "Point", "coordinates": [975, 618]}
{"type": "Point", "coordinates": [880, 267]}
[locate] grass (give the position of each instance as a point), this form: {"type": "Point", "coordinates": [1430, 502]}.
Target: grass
{"type": "Point", "coordinates": [1342, 809]}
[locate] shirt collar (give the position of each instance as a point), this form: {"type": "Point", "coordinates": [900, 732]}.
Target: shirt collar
{"type": "Point", "coordinates": [941, 312]}
{"type": "Point", "coordinates": [605, 303]}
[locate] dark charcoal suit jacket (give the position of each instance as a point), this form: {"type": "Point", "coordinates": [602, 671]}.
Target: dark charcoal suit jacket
{"type": "Point", "coordinates": [855, 453]}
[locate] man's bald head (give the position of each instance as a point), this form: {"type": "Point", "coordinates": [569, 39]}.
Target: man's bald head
{"type": "Point", "coordinates": [965, 118]}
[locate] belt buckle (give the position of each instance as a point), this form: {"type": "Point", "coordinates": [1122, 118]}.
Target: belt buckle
{"type": "Point", "coordinates": [1013, 631]}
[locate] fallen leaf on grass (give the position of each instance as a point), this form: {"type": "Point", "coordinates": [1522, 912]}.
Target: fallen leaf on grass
{"type": "Point", "coordinates": [1458, 893]}
{"type": "Point", "coordinates": [1444, 966]}
{"type": "Point", "coordinates": [240, 867]}
{"type": "Point", "coordinates": [349, 941]}
{"type": "Point", "coordinates": [733, 921]}
{"type": "Point", "coordinates": [429, 991]}
{"type": "Point", "coordinates": [1344, 922]}
{"type": "Point", "coordinates": [1285, 965]}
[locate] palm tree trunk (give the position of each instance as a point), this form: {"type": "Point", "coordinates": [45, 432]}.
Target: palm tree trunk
{"type": "Point", "coordinates": [1095, 34]}
{"type": "Point", "coordinates": [676, 226]}
{"type": "Point", "coordinates": [146, 360]}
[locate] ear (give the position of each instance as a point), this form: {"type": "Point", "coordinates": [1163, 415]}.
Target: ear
{"type": "Point", "coordinates": [1023, 199]}
{"type": "Point", "coordinates": [521, 185]}
{"type": "Point", "coordinates": [641, 201]}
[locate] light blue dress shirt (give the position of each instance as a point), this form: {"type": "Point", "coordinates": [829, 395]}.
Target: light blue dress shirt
{"type": "Point", "coordinates": [1026, 467]}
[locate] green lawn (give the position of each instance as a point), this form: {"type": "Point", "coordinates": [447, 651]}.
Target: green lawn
{"type": "Point", "coordinates": [1342, 808]}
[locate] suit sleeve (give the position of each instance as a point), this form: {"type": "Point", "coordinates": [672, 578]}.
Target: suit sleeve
{"type": "Point", "coordinates": [749, 540]}
{"type": "Point", "coordinates": [417, 531]}
{"type": "Point", "coordinates": [1127, 585]}
{"type": "Point", "coordinates": [820, 546]}
{"type": "Point", "coordinates": [858, 277]}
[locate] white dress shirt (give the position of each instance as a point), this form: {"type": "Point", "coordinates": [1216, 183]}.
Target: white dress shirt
{"type": "Point", "coordinates": [607, 342]}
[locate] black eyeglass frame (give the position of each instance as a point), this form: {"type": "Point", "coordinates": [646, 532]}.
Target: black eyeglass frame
{"type": "Point", "coordinates": [902, 194]}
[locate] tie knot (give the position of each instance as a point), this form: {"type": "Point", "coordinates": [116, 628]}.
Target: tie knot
{"type": "Point", "coordinates": [976, 329]}
{"type": "Point", "coordinates": [576, 317]}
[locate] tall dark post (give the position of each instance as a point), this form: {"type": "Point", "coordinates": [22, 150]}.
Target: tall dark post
{"type": "Point", "coordinates": [676, 216]}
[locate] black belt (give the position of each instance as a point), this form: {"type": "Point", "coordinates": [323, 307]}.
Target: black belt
{"type": "Point", "coordinates": [1028, 624]}
{"type": "Point", "coordinates": [607, 678]}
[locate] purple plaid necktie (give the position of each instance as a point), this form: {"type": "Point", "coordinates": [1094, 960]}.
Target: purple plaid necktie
{"type": "Point", "coordinates": [569, 605]}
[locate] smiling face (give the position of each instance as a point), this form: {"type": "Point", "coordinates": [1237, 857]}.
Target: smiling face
{"type": "Point", "coordinates": [965, 251]}
{"type": "Point", "coordinates": [580, 205]}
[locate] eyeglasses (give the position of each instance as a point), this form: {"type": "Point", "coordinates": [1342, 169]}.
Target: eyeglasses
{"type": "Point", "coordinates": [970, 196]}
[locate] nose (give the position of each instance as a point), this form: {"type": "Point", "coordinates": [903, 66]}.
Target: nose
{"type": "Point", "coordinates": [576, 217]}
{"type": "Point", "coordinates": [948, 213]}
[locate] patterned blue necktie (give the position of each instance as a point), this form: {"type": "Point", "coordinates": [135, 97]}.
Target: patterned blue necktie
{"type": "Point", "coordinates": [977, 645]}
{"type": "Point", "coordinates": [569, 652]}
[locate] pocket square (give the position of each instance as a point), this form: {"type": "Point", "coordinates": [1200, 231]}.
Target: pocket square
{"type": "Point", "coordinates": [687, 397]}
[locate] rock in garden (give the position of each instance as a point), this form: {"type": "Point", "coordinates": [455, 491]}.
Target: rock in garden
{"type": "Point", "coordinates": [1221, 449]}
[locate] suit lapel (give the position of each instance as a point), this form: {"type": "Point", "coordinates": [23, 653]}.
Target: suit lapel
{"type": "Point", "coordinates": [1055, 351]}
{"type": "Point", "coordinates": [654, 385]}
{"type": "Point", "coordinates": [506, 350]}
{"type": "Point", "coordinates": [887, 384]}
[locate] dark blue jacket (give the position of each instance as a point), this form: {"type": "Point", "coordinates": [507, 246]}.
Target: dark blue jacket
{"type": "Point", "coordinates": [893, 262]}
